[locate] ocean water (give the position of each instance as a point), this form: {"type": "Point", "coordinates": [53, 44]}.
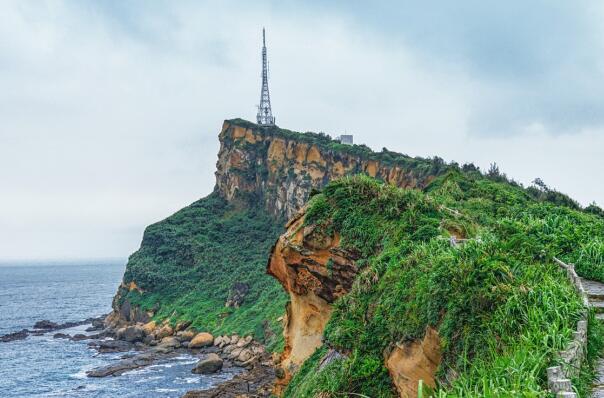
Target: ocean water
{"type": "Point", "coordinates": [41, 366]}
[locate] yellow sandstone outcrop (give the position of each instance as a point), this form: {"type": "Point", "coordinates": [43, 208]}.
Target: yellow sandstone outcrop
{"type": "Point", "coordinates": [315, 271]}
{"type": "Point", "coordinates": [409, 363]}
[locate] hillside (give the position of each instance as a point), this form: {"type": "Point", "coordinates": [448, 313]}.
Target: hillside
{"type": "Point", "coordinates": [191, 263]}
{"type": "Point", "coordinates": [367, 267]}
{"type": "Point", "coordinates": [493, 302]}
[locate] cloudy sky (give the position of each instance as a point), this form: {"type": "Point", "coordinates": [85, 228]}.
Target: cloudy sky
{"type": "Point", "coordinates": [110, 111]}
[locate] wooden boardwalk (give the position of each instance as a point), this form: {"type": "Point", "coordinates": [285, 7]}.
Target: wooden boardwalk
{"type": "Point", "coordinates": [595, 294]}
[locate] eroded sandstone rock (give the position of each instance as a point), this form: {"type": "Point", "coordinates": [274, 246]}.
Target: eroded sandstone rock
{"type": "Point", "coordinates": [315, 271]}
{"type": "Point", "coordinates": [410, 362]}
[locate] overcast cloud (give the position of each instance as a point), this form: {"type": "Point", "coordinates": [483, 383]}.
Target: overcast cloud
{"type": "Point", "coordinates": [110, 111]}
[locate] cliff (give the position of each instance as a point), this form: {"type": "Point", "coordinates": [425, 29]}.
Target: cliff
{"type": "Point", "coordinates": [280, 168]}
{"type": "Point", "coordinates": [375, 296]}
{"type": "Point", "coordinates": [205, 263]}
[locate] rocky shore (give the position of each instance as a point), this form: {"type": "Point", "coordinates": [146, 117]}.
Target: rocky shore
{"type": "Point", "coordinates": [156, 342]}
{"type": "Point", "coordinates": [145, 344]}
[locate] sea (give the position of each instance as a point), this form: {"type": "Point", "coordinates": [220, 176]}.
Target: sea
{"type": "Point", "coordinates": [41, 366]}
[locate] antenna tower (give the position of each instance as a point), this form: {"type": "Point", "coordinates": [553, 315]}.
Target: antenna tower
{"type": "Point", "coordinates": [265, 114]}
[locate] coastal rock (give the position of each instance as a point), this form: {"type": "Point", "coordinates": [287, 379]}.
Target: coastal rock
{"type": "Point", "coordinates": [131, 334]}
{"type": "Point", "coordinates": [245, 355]}
{"type": "Point", "coordinates": [61, 336]}
{"type": "Point", "coordinates": [185, 335]}
{"type": "Point", "coordinates": [78, 337]}
{"type": "Point", "coordinates": [165, 331]}
{"type": "Point", "coordinates": [20, 335]}
{"type": "Point", "coordinates": [212, 363]}
{"type": "Point", "coordinates": [312, 267]}
{"type": "Point", "coordinates": [149, 327]}
{"type": "Point", "coordinates": [169, 341]}
{"type": "Point", "coordinates": [201, 340]}
{"type": "Point", "coordinates": [105, 346]}
{"type": "Point", "coordinates": [46, 324]}
{"type": "Point", "coordinates": [256, 382]}
{"type": "Point", "coordinates": [122, 366]}
{"type": "Point", "coordinates": [244, 341]}
{"type": "Point", "coordinates": [235, 352]}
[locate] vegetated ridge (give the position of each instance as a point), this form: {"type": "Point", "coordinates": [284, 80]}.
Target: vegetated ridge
{"type": "Point", "coordinates": [372, 258]}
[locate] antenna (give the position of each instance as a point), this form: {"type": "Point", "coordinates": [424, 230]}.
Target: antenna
{"type": "Point", "coordinates": [265, 114]}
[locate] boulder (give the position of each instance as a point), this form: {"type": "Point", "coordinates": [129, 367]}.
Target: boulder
{"type": "Point", "coordinates": [78, 337]}
{"type": "Point", "coordinates": [229, 348]}
{"type": "Point", "coordinates": [235, 353]}
{"type": "Point", "coordinates": [244, 341]}
{"type": "Point", "coordinates": [245, 355]}
{"type": "Point", "coordinates": [258, 349]}
{"type": "Point", "coordinates": [149, 327]}
{"type": "Point", "coordinates": [131, 334]}
{"type": "Point", "coordinates": [170, 342]}
{"type": "Point", "coordinates": [185, 335]}
{"type": "Point", "coordinates": [202, 339]}
{"type": "Point", "coordinates": [211, 363]}
{"type": "Point", "coordinates": [218, 341]}
{"type": "Point", "coordinates": [60, 336]}
{"type": "Point", "coordinates": [164, 331]}
{"type": "Point", "coordinates": [237, 294]}
{"type": "Point", "coordinates": [234, 339]}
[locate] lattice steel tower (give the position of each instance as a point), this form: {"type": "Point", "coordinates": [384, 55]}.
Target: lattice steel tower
{"type": "Point", "coordinates": [265, 114]}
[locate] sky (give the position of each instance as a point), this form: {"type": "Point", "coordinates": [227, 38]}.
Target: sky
{"type": "Point", "coordinates": [110, 111]}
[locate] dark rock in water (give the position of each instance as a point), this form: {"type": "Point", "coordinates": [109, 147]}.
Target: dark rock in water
{"type": "Point", "coordinates": [112, 346]}
{"type": "Point", "coordinates": [237, 294]}
{"type": "Point", "coordinates": [123, 366]}
{"type": "Point", "coordinates": [212, 363]}
{"type": "Point", "coordinates": [20, 335]}
{"type": "Point", "coordinates": [61, 336]}
{"type": "Point", "coordinates": [46, 324]}
{"type": "Point", "coordinates": [98, 323]}
{"type": "Point", "coordinates": [79, 337]}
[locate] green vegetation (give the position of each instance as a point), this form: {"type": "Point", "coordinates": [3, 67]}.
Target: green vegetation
{"type": "Point", "coordinates": [501, 306]}
{"type": "Point", "coordinates": [188, 263]}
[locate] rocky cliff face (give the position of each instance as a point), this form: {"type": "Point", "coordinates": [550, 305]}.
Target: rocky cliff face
{"type": "Point", "coordinates": [280, 168]}
{"type": "Point", "coordinates": [314, 270]}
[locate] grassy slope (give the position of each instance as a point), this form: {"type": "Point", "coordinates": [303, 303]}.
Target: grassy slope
{"type": "Point", "coordinates": [502, 308]}
{"type": "Point", "coordinates": [188, 263]}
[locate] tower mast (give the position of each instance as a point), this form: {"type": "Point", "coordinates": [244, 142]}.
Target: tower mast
{"type": "Point", "coordinates": [265, 114]}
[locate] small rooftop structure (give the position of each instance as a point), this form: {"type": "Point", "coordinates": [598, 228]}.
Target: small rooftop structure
{"type": "Point", "coordinates": [345, 139]}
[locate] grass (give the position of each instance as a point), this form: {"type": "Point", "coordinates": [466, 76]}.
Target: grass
{"type": "Point", "coordinates": [502, 308]}
{"type": "Point", "coordinates": [188, 263]}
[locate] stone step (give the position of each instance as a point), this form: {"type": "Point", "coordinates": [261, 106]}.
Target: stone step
{"type": "Point", "coordinates": [593, 288]}
{"type": "Point", "coordinates": [598, 306]}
